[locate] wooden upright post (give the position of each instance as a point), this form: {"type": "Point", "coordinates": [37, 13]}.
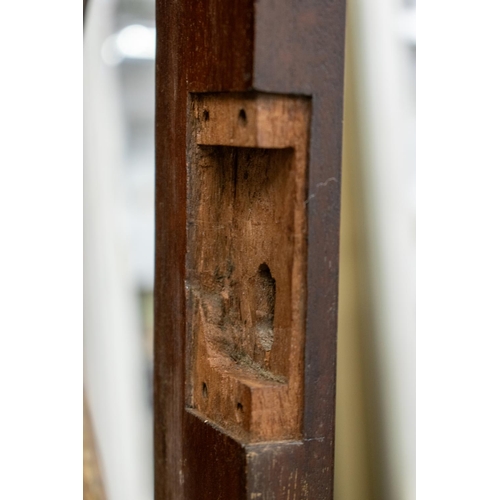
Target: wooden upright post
{"type": "Point", "coordinates": [248, 152]}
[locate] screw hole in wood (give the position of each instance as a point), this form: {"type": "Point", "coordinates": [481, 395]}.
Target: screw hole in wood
{"type": "Point", "coordinates": [242, 117]}
{"type": "Point", "coordinates": [204, 390]}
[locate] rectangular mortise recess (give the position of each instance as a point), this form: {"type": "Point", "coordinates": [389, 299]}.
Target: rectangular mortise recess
{"type": "Point", "coordinates": [246, 257]}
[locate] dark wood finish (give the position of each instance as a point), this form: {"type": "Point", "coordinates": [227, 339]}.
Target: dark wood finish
{"type": "Point", "coordinates": [279, 47]}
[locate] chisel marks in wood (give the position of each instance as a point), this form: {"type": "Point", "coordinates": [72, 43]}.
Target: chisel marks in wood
{"type": "Point", "coordinates": [246, 229]}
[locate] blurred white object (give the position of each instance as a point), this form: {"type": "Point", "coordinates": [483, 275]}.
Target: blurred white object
{"type": "Point", "coordinates": [384, 48]}
{"type": "Point", "coordinates": [115, 372]}
{"type": "Point", "coordinates": [132, 42]}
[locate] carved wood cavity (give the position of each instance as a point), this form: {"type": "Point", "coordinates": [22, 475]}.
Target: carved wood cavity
{"type": "Point", "coordinates": [247, 164]}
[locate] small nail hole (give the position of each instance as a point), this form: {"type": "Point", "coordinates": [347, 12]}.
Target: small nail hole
{"type": "Point", "coordinates": [206, 115]}
{"type": "Point", "coordinates": [239, 406]}
{"type": "Point", "coordinates": [204, 390]}
{"type": "Point", "coordinates": [242, 116]}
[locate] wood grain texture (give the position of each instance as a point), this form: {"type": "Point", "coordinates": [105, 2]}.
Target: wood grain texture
{"type": "Point", "coordinates": [246, 252]}
{"type": "Point", "coordinates": [279, 47]}
{"type": "Point", "coordinates": [219, 37]}
{"type": "Point", "coordinates": [299, 48]}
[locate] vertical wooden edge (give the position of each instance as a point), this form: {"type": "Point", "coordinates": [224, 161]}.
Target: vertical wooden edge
{"type": "Point", "coordinates": [170, 248]}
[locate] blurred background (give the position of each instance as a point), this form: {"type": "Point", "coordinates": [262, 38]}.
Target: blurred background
{"type": "Point", "coordinates": [375, 434]}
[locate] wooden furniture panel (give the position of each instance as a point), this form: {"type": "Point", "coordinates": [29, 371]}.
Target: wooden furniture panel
{"type": "Point", "coordinates": [248, 154]}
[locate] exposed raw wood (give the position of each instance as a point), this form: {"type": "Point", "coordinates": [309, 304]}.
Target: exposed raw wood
{"type": "Point", "coordinates": [247, 164]}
